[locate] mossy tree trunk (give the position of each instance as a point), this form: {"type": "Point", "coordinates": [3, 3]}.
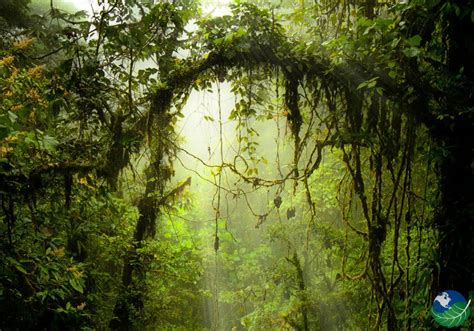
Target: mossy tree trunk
{"type": "Point", "coordinates": [158, 173]}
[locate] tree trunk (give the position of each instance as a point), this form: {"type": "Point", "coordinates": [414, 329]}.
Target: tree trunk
{"type": "Point", "coordinates": [157, 174]}
{"type": "Point", "coordinates": [301, 289]}
{"type": "Point", "coordinates": [130, 298]}
{"type": "Point", "coordinates": [455, 218]}
{"type": "Point", "coordinates": [455, 215]}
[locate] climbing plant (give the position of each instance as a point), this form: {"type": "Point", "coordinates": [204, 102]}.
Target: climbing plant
{"type": "Point", "coordinates": [89, 144]}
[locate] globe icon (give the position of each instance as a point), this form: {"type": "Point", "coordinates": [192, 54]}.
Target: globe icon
{"type": "Point", "coordinates": [450, 308]}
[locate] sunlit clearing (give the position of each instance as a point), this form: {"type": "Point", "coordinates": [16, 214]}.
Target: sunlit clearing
{"type": "Point", "coordinates": [209, 8]}
{"type": "Point", "coordinates": [87, 5]}
{"type": "Point", "coordinates": [200, 127]}
{"type": "Point", "coordinates": [216, 8]}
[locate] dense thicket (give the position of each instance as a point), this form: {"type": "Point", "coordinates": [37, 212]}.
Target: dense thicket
{"type": "Point", "coordinates": [354, 220]}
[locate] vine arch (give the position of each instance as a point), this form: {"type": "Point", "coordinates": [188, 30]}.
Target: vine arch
{"type": "Point", "coordinates": [368, 118]}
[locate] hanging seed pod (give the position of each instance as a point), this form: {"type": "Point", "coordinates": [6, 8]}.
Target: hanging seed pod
{"type": "Point", "coordinates": [216, 243]}
{"type": "Point", "coordinates": [290, 212]}
{"type": "Point", "coordinates": [277, 201]}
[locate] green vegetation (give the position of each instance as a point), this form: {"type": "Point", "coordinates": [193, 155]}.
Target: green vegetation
{"type": "Point", "coordinates": [285, 166]}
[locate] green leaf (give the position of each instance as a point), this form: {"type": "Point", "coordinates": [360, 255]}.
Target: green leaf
{"type": "Point", "coordinates": [76, 285]}
{"type": "Point", "coordinates": [412, 52]}
{"type": "Point", "coordinates": [21, 269]}
{"type": "Point", "coordinates": [383, 23]}
{"type": "Point", "coordinates": [49, 143]}
{"type": "Point", "coordinates": [368, 83]}
{"type": "Point", "coordinates": [240, 32]}
{"type": "Point", "coordinates": [457, 10]}
{"type": "Point", "coordinates": [218, 41]}
{"type": "Point", "coordinates": [13, 117]}
{"type": "Point", "coordinates": [455, 316]}
{"type": "Point", "coordinates": [232, 115]}
{"type": "Point", "coordinates": [17, 265]}
{"type": "Point", "coordinates": [395, 42]}
{"type": "Point", "coordinates": [414, 41]}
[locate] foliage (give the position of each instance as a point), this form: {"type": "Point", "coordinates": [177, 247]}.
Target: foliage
{"type": "Point", "coordinates": [341, 225]}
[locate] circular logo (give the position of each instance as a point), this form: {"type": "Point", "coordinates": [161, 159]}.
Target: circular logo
{"type": "Point", "coordinates": [450, 309]}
